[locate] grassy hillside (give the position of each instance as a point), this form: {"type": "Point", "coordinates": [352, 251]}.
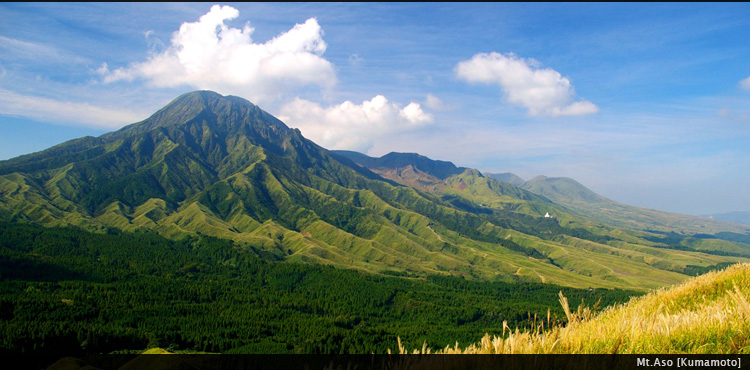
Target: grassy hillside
{"type": "Point", "coordinates": [571, 241]}
{"type": "Point", "coordinates": [707, 314]}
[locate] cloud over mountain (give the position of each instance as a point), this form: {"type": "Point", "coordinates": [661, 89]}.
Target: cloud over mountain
{"type": "Point", "coordinates": [352, 126]}
{"type": "Point", "coordinates": [208, 54]}
{"type": "Point", "coordinates": [543, 92]}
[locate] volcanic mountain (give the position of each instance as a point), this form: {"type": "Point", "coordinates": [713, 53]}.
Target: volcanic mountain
{"type": "Point", "coordinates": [220, 166]}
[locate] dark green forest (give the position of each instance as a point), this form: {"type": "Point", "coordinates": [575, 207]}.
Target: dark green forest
{"type": "Point", "coordinates": [65, 290]}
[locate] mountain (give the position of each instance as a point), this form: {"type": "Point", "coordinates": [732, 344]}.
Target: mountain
{"type": "Point", "coordinates": [435, 168]}
{"type": "Point", "coordinates": [562, 190]}
{"type": "Point", "coordinates": [410, 169]}
{"type": "Point", "coordinates": [571, 205]}
{"type": "Point", "coordinates": [507, 177]}
{"type": "Point", "coordinates": [462, 186]}
{"type": "Point", "coordinates": [736, 217]}
{"type": "Point", "coordinates": [222, 167]}
{"type": "Point", "coordinates": [583, 201]}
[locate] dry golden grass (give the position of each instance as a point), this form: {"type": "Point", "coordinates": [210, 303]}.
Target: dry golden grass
{"type": "Point", "coordinates": [156, 351]}
{"type": "Point", "coordinates": [707, 314]}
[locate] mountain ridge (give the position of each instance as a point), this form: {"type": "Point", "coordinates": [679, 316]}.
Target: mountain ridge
{"type": "Point", "coordinates": [577, 197]}
{"type": "Point", "coordinates": [584, 201]}
{"type": "Point", "coordinates": [437, 168]}
{"type": "Point", "coordinates": [740, 217]}
{"type": "Point", "coordinates": [446, 179]}
{"type": "Point", "coordinates": [506, 177]}
{"type": "Point", "coordinates": [222, 167]}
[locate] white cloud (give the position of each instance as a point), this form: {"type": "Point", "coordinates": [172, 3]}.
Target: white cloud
{"type": "Point", "coordinates": [14, 49]}
{"type": "Point", "coordinates": [543, 92]}
{"type": "Point", "coordinates": [745, 84]}
{"type": "Point", "coordinates": [210, 55]}
{"type": "Point", "coordinates": [352, 126]}
{"type": "Point", "coordinates": [435, 103]}
{"type": "Point", "coordinates": [103, 69]}
{"type": "Point", "coordinates": [154, 43]}
{"type": "Point", "coordinates": [79, 114]}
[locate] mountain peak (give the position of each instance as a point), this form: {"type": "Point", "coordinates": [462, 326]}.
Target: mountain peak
{"type": "Point", "coordinates": [208, 98]}
{"type": "Point", "coordinates": [224, 112]}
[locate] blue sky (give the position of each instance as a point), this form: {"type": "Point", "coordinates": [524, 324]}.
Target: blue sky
{"type": "Point", "coordinates": [647, 104]}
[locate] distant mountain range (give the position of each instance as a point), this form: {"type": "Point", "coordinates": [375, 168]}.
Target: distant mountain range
{"type": "Point", "coordinates": [506, 177]}
{"type": "Point", "coordinates": [586, 203]}
{"type": "Point", "coordinates": [575, 197]}
{"type": "Point", "coordinates": [221, 166]}
{"type": "Point", "coordinates": [736, 217]}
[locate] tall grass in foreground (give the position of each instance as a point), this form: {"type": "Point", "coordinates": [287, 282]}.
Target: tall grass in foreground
{"type": "Point", "coordinates": [707, 314]}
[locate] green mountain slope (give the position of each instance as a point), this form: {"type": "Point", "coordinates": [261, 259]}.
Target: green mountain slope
{"type": "Point", "coordinates": [220, 166]}
{"type": "Point", "coordinates": [459, 185]}
{"type": "Point", "coordinates": [500, 199]}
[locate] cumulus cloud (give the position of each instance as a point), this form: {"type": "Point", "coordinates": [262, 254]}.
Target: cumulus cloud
{"type": "Point", "coordinates": [208, 54]}
{"type": "Point", "coordinates": [745, 84]}
{"type": "Point", "coordinates": [50, 110]}
{"type": "Point", "coordinates": [543, 92]}
{"type": "Point", "coordinates": [353, 126]}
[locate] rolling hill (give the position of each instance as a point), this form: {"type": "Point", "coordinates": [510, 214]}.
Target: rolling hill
{"type": "Point", "coordinates": [215, 165]}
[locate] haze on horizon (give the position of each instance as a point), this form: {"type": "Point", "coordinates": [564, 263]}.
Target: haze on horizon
{"type": "Point", "coordinates": [646, 104]}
